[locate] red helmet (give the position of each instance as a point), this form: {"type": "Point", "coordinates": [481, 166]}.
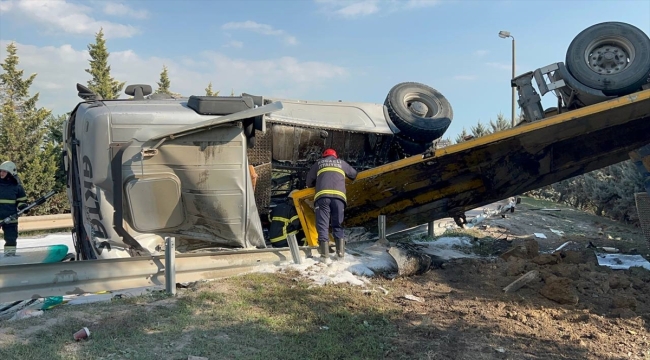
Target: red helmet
{"type": "Point", "coordinates": [330, 152]}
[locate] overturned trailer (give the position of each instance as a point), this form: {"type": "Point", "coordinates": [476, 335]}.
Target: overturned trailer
{"type": "Point", "coordinates": [155, 166]}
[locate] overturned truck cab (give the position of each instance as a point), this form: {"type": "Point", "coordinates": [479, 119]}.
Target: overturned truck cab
{"type": "Point", "coordinates": [141, 169]}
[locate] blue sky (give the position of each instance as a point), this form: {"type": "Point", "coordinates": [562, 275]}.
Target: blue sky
{"type": "Point", "coordinates": [312, 50]}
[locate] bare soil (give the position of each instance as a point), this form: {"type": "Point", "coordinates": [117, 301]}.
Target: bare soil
{"type": "Point", "coordinates": [575, 310]}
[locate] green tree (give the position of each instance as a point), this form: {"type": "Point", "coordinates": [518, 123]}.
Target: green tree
{"type": "Point", "coordinates": [501, 124]}
{"type": "Point", "coordinates": [209, 92]}
{"type": "Point", "coordinates": [164, 83]}
{"type": "Point", "coordinates": [480, 130]}
{"type": "Point", "coordinates": [102, 83]}
{"type": "Point", "coordinates": [461, 137]}
{"type": "Point", "coordinates": [24, 128]}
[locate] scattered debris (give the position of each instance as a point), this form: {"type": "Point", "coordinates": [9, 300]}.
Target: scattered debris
{"type": "Point", "coordinates": [540, 235]}
{"type": "Point", "coordinates": [84, 333]}
{"type": "Point", "coordinates": [413, 298]}
{"type": "Point", "coordinates": [324, 327]}
{"type": "Point", "coordinates": [523, 280]}
{"type": "Point", "coordinates": [557, 232]}
{"type": "Point", "coordinates": [196, 358]}
{"type": "Point", "coordinates": [619, 261]}
{"type": "Point", "coordinates": [563, 245]}
{"type": "Point", "coordinates": [382, 289]}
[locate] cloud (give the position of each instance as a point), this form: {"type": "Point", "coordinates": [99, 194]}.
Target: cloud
{"type": "Point", "coordinates": [119, 9]}
{"type": "Point", "coordinates": [60, 68]}
{"type": "Point", "coordinates": [263, 29]}
{"type": "Point", "coordinates": [5, 6]}
{"type": "Point", "coordinates": [499, 65]}
{"type": "Point", "coordinates": [480, 53]}
{"type": "Point", "coordinates": [465, 77]}
{"type": "Point", "coordinates": [360, 8]}
{"type": "Point", "coordinates": [235, 44]}
{"type": "Point", "coordinates": [67, 17]}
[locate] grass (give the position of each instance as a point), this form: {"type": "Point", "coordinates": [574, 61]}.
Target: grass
{"type": "Point", "coordinates": [256, 316]}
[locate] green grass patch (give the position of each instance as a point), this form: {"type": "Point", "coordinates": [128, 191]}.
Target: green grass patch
{"type": "Point", "coordinates": [257, 316]}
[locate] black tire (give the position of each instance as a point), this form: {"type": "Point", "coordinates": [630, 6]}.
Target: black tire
{"type": "Point", "coordinates": [422, 124]}
{"type": "Point", "coordinates": [410, 148]}
{"type": "Point", "coordinates": [594, 58]}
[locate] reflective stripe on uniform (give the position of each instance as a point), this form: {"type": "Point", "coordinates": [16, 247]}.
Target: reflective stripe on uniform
{"type": "Point", "coordinates": [331, 168]}
{"type": "Point", "coordinates": [3, 201]}
{"type": "Point", "coordinates": [330, 192]}
{"type": "Point", "coordinates": [284, 228]}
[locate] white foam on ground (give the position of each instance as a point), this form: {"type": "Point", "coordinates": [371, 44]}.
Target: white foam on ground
{"type": "Point", "coordinates": [443, 247]}
{"type": "Point", "coordinates": [353, 270]}
{"type": "Point", "coordinates": [45, 240]}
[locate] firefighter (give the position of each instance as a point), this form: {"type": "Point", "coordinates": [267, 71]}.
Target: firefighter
{"type": "Point", "coordinates": [329, 174]}
{"type": "Point", "coordinates": [284, 221]}
{"type": "Point", "coordinates": [12, 199]}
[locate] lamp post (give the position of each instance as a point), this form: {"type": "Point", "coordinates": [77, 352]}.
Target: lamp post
{"type": "Point", "coordinates": [504, 35]}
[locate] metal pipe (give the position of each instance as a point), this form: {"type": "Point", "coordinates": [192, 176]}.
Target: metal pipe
{"type": "Point", "coordinates": [513, 76]}
{"type": "Point", "coordinates": [430, 229]}
{"type": "Point", "coordinates": [295, 251]}
{"type": "Point", "coordinates": [382, 227]}
{"type": "Point", "coordinates": [170, 265]}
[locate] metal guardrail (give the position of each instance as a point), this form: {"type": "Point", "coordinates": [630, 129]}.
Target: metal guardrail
{"type": "Point", "coordinates": [44, 222]}
{"type": "Point", "coordinates": [25, 281]}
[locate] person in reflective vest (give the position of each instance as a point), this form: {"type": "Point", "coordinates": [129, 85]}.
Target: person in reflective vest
{"type": "Point", "coordinates": [329, 174]}
{"type": "Point", "coordinates": [284, 221]}
{"type": "Point", "coordinates": [12, 199]}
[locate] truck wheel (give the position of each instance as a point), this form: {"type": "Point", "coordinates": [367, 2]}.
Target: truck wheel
{"type": "Point", "coordinates": [612, 56]}
{"type": "Point", "coordinates": [420, 112]}
{"type": "Point", "coordinates": [410, 148]}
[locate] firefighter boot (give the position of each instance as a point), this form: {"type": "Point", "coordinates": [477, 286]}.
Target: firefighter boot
{"type": "Point", "coordinates": [323, 250]}
{"type": "Point", "coordinates": [10, 251]}
{"type": "Point", "coordinates": [340, 248]}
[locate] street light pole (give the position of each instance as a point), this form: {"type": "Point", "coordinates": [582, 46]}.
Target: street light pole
{"type": "Point", "coordinates": [504, 35]}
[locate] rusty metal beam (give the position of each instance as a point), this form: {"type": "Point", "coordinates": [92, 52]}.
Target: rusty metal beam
{"type": "Point", "coordinates": [20, 282]}
{"type": "Point", "coordinates": [464, 176]}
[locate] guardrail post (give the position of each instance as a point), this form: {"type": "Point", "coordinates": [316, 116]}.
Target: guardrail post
{"type": "Point", "coordinates": [382, 227]}
{"type": "Point", "coordinates": [293, 246]}
{"type": "Point", "coordinates": [430, 228]}
{"type": "Point", "coordinates": [170, 265]}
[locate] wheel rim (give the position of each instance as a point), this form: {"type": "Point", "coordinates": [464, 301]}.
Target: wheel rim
{"type": "Point", "coordinates": [609, 55]}
{"type": "Point", "coordinates": [420, 106]}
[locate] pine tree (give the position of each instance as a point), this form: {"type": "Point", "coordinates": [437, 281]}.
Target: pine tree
{"type": "Point", "coordinates": [164, 83]}
{"type": "Point", "coordinates": [23, 127]}
{"type": "Point", "coordinates": [461, 137]}
{"type": "Point", "coordinates": [500, 124]}
{"type": "Point", "coordinates": [102, 83]}
{"type": "Point", "coordinates": [479, 130]}
{"type": "Point", "coordinates": [209, 92]}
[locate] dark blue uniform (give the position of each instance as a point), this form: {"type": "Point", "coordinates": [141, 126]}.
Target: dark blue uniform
{"type": "Point", "coordinates": [12, 198]}
{"type": "Point", "coordinates": [329, 173]}
{"type": "Point", "coordinates": [284, 221]}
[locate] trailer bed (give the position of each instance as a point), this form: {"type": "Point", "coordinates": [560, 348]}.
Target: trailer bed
{"type": "Point", "coordinates": [454, 179]}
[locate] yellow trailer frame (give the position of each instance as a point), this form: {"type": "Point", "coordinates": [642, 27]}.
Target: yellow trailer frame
{"type": "Point", "coordinates": [464, 176]}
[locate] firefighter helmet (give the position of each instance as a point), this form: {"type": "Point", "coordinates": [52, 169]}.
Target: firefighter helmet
{"type": "Point", "coordinates": [9, 167]}
{"type": "Point", "coordinates": [330, 152]}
